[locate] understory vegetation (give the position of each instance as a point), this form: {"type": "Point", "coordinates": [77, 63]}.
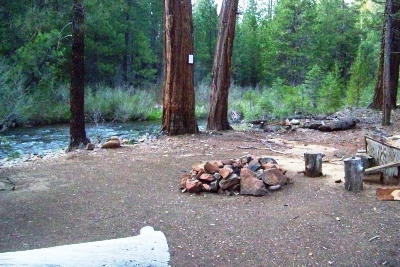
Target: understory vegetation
{"type": "Point", "coordinates": [289, 57]}
{"type": "Point", "coordinates": [105, 104]}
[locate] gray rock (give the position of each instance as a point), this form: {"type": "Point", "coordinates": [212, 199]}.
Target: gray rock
{"type": "Point", "coordinates": [274, 187]}
{"type": "Point", "coordinates": [217, 176]}
{"type": "Point", "coordinates": [90, 146]}
{"type": "Point", "coordinates": [254, 165]}
{"type": "Point", "coordinates": [214, 186]}
{"type": "Point", "coordinates": [230, 181]}
{"type": "Point", "coordinates": [6, 185]}
{"type": "Point", "coordinates": [259, 174]}
{"type": "Point", "coordinates": [266, 160]}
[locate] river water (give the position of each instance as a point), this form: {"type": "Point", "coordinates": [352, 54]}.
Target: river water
{"type": "Point", "coordinates": [42, 140]}
{"type": "Point", "coordinates": [45, 139]}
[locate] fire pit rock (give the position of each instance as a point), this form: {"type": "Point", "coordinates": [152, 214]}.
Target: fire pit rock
{"type": "Point", "coordinates": [246, 176]}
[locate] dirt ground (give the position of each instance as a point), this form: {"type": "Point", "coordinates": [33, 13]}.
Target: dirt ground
{"type": "Point", "coordinates": [105, 194]}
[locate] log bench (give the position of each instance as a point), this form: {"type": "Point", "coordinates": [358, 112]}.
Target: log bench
{"type": "Point", "coordinates": [383, 167]}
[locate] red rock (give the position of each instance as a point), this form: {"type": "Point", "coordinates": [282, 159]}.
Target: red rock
{"type": "Point", "coordinates": [200, 172]}
{"type": "Point", "coordinates": [269, 177]}
{"type": "Point", "coordinates": [225, 172]}
{"type": "Point", "coordinates": [250, 185]}
{"type": "Point", "coordinates": [219, 164]}
{"type": "Point", "coordinates": [227, 162]}
{"type": "Point", "coordinates": [193, 186]}
{"type": "Point", "coordinates": [183, 181]}
{"type": "Point", "coordinates": [206, 187]}
{"type": "Point", "coordinates": [273, 177]}
{"type": "Point", "coordinates": [211, 167]}
{"type": "Point", "coordinates": [197, 167]}
{"type": "Point", "coordinates": [207, 177]}
{"type": "Point", "coordinates": [269, 165]}
{"type": "Point", "coordinates": [230, 181]}
{"type": "Point", "coordinates": [112, 143]}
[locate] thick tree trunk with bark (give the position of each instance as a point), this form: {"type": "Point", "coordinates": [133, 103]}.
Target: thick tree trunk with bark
{"type": "Point", "coordinates": [179, 97]}
{"type": "Point", "coordinates": [218, 111]}
{"type": "Point", "coordinates": [77, 90]}
{"type": "Point", "coordinates": [387, 64]}
{"type": "Point", "coordinates": [393, 60]}
{"type": "Point", "coordinates": [378, 92]}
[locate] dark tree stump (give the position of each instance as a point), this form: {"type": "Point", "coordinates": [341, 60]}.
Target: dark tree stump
{"type": "Point", "coordinates": [366, 159]}
{"type": "Point", "coordinates": [353, 170]}
{"type": "Point", "coordinates": [313, 164]}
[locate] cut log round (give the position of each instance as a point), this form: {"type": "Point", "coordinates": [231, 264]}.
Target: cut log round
{"type": "Point", "coordinates": [353, 170]}
{"type": "Point", "coordinates": [313, 164]}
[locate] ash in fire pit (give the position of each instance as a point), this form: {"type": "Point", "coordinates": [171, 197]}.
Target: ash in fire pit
{"type": "Point", "coordinates": [247, 176]}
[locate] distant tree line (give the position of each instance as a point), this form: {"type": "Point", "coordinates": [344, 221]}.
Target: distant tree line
{"type": "Point", "coordinates": [288, 56]}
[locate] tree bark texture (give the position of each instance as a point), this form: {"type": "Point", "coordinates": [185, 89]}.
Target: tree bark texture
{"type": "Point", "coordinates": [221, 75]}
{"type": "Point", "coordinates": [383, 153]}
{"type": "Point", "coordinates": [387, 77]}
{"type": "Point", "coordinates": [343, 124]}
{"type": "Point", "coordinates": [313, 164]}
{"type": "Point", "coordinates": [353, 170]}
{"type": "Point", "coordinates": [377, 102]}
{"type": "Point", "coordinates": [178, 91]}
{"type": "Point", "coordinates": [77, 90]}
{"type": "Point", "coordinates": [128, 60]}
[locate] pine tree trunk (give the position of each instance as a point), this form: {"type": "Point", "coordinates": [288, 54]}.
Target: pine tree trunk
{"type": "Point", "coordinates": [394, 57]}
{"type": "Point", "coordinates": [77, 90]}
{"type": "Point", "coordinates": [218, 111]}
{"type": "Point", "coordinates": [179, 98]}
{"type": "Point", "coordinates": [377, 101]}
{"type": "Point", "coordinates": [387, 77]}
{"type": "Point", "coordinates": [378, 92]}
{"type": "Point", "coordinates": [128, 60]}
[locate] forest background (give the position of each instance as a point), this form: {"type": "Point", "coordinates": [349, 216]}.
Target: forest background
{"type": "Point", "coordinates": [289, 57]}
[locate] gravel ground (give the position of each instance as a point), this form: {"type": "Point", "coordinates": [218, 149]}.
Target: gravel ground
{"type": "Point", "coordinates": [105, 194]}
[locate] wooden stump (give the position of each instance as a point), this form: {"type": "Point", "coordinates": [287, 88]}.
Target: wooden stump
{"type": "Point", "coordinates": [353, 170]}
{"type": "Point", "coordinates": [366, 159]}
{"type": "Point", "coordinates": [313, 164]}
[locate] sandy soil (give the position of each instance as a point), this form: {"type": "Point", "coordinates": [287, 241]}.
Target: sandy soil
{"type": "Point", "coordinates": [103, 194]}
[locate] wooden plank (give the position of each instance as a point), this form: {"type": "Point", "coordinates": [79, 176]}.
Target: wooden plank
{"type": "Point", "coordinates": [388, 194]}
{"type": "Point", "coordinates": [382, 167]}
{"type": "Point", "coordinates": [380, 141]}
